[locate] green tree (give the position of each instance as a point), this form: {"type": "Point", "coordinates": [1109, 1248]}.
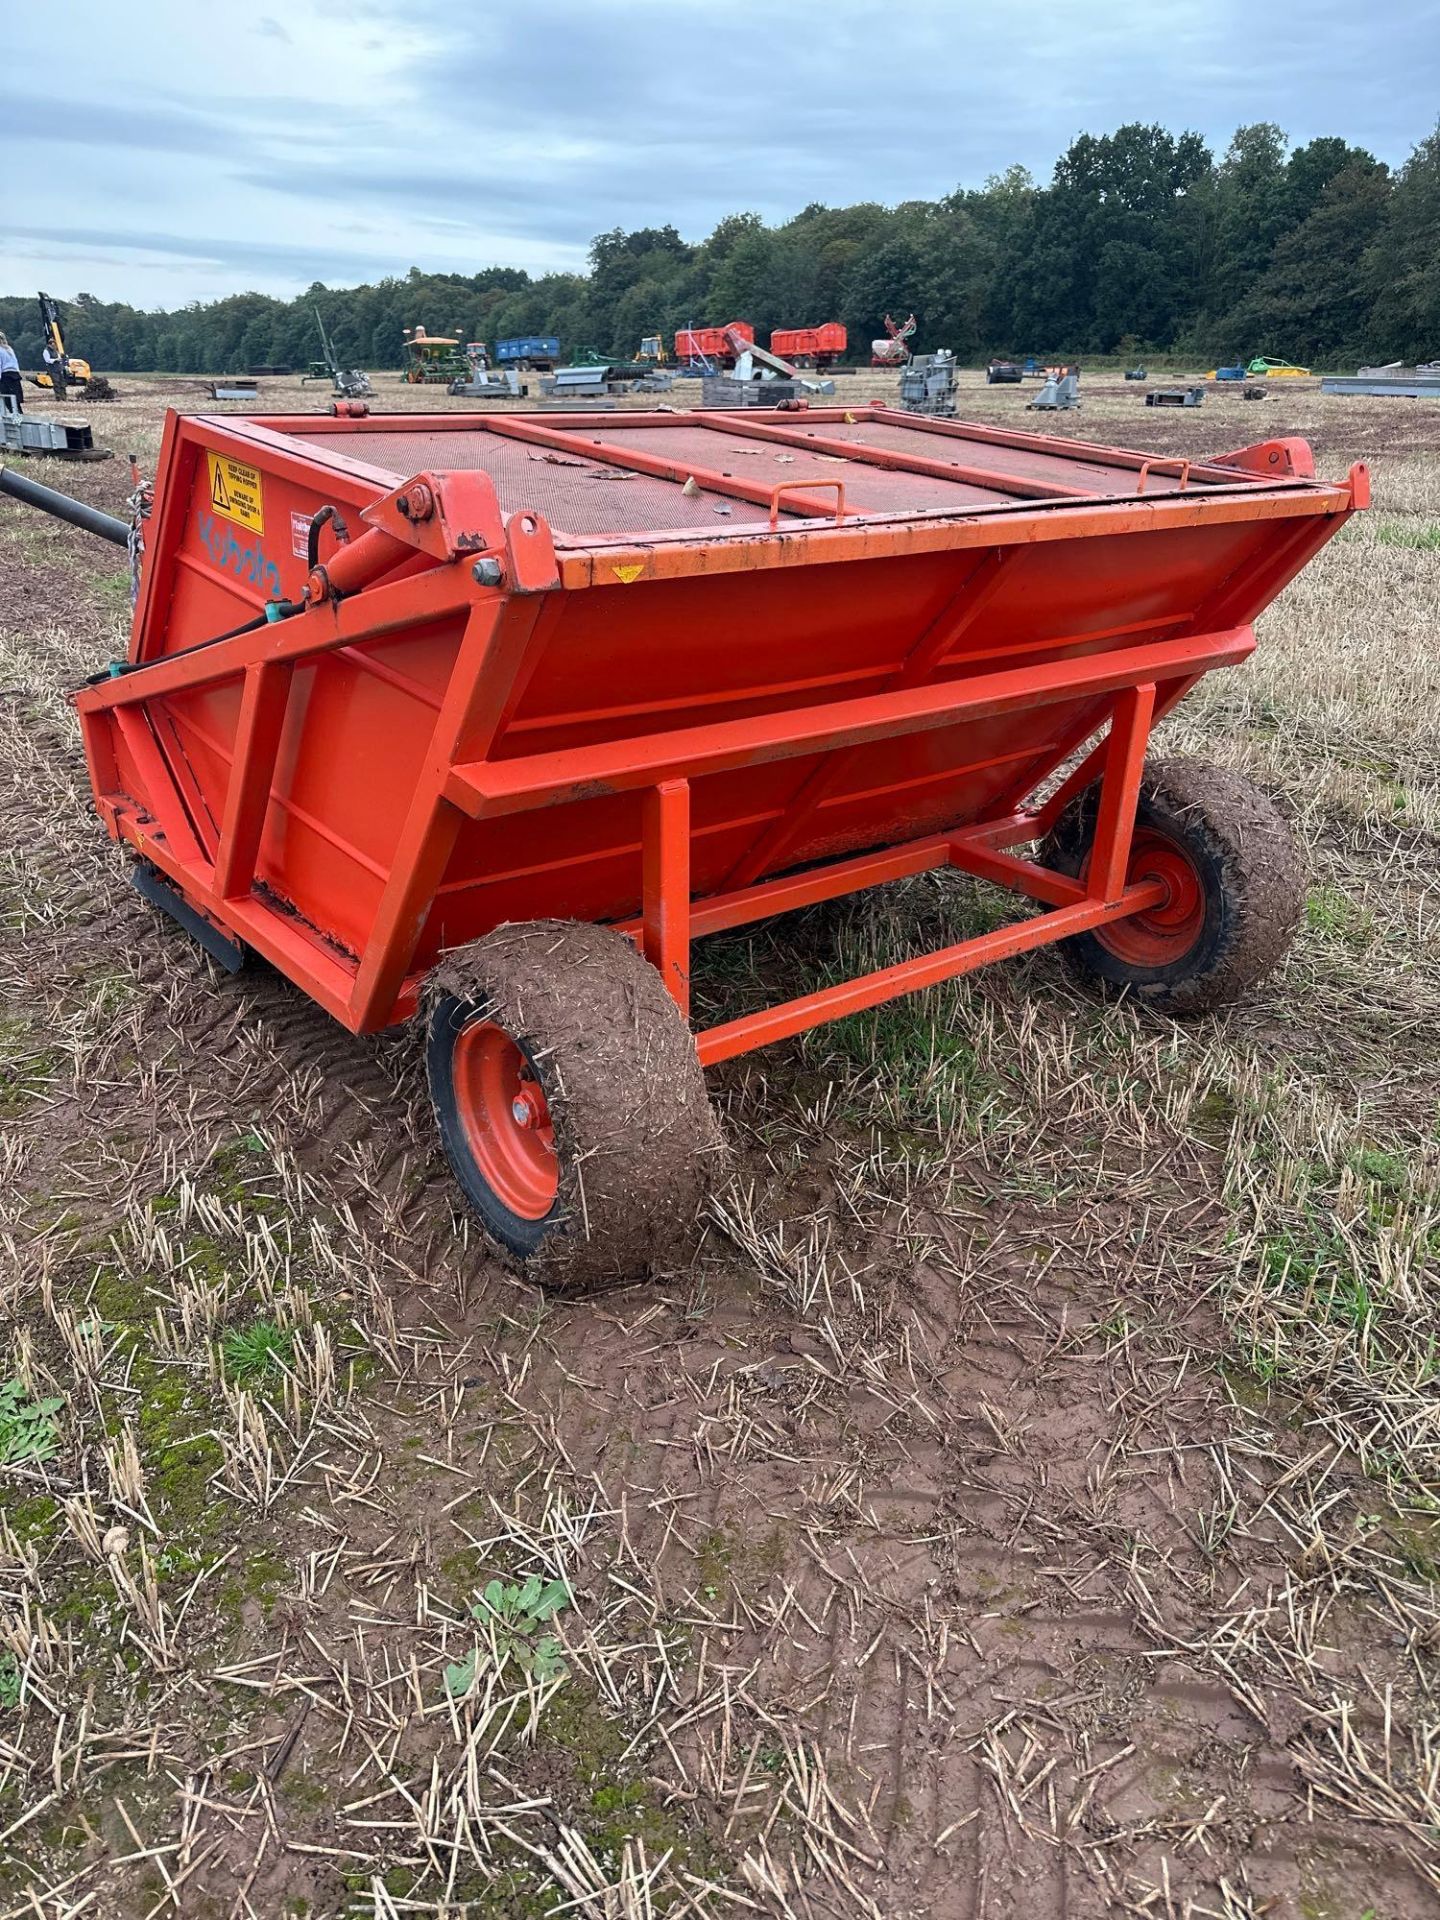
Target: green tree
{"type": "Point", "coordinates": [1314, 301]}
{"type": "Point", "coordinates": [1402, 264]}
{"type": "Point", "coordinates": [1139, 236]}
{"type": "Point", "coordinates": [1250, 214]}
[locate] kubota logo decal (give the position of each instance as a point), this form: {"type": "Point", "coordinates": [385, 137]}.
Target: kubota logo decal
{"type": "Point", "coordinates": [244, 558]}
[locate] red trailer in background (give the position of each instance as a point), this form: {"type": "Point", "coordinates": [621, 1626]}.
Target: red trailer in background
{"type": "Point", "coordinates": [443, 723]}
{"type": "Point", "coordinates": [811, 346]}
{"type": "Point", "coordinates": [715, 344]}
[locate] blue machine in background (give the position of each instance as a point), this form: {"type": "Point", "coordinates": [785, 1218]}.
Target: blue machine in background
{"type": "Point", "coordinates": [538, 350]}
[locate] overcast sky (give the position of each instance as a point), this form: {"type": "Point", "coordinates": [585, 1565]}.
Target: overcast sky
{"type": "Point", "coordinates": [162, 152]}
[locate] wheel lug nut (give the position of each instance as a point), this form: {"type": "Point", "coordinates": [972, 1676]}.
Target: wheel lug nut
{"type": "Point", "coordinates": [520, 1110]}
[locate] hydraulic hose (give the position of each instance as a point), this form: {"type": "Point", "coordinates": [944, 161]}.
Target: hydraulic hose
{"type": "Point", "coordinates": [20, 487]}
{"type": "Point", "coordinates": [312, 540]}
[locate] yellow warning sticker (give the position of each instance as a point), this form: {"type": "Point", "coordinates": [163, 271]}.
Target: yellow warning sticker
{"type": "Point", "coordinates": [235, 491]}
{"type": "Point", "coordinates": [627, 574]}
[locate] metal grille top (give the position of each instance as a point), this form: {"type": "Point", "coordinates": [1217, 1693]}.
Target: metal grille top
{"type": "Point", "coordinates": [657, 474]}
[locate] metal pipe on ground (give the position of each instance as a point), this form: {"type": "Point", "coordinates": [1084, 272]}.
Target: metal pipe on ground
{"type": "Point", "coordinates": [20, 487]}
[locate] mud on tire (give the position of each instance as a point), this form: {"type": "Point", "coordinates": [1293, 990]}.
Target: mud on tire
{"type": "Point", "coordinates": [607, 1065]}
{"type": "Point", "coordinates": [1239, 905]}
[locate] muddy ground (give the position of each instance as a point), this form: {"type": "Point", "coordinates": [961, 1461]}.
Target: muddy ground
{"type": "Point", "coordinates": [1023, 1505]}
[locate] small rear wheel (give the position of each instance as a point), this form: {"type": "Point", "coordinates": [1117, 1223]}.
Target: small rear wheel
{"type": "Point", "coordinates": [1233, 889]}
{"type": "Point", "coordinates": [570, 1101]}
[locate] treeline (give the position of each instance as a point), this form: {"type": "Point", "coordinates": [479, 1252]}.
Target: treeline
{"type": "Point", "coordinates": [1143, 242]}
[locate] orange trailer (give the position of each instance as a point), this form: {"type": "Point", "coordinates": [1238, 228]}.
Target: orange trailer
{"type": "Point", "coordinates": [439, 719]}
{"type": "Point", "coordinates": [716, 344]}
{"type": "Point", "coordinates": [811, 346]}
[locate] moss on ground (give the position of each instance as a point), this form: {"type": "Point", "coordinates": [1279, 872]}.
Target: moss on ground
{"type": "Point", "coordinates": [26, 1068]}
{"type": "Point", "coordinates": [606, 1802]}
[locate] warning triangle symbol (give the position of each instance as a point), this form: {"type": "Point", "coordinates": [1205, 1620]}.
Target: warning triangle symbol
{"type": "Point", "coordinates": [218, 496]}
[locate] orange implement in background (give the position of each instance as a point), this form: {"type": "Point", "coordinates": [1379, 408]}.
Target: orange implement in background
{"type": "Point", "coordinates": [714, 343]}
{"type": "Point", "coordinates": [667, 672]}
{"type": "Point", "coordinates": [811, 346]}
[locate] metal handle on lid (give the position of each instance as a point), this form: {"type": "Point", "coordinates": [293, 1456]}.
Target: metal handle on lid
{"type": "Point", "coordinates": [806, 486]}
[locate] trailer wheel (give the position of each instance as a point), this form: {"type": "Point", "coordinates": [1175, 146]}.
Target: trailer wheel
{"type": "Point", "coordinates": [570, 1101]}
{"type": "Point", "coordinates": [1234, 880]}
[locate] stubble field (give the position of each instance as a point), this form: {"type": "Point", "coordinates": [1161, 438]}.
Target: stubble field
{"type": "Point", "coordinates": [1024, 1505]}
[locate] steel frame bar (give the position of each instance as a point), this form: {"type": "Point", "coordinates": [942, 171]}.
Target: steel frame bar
{"type": "Point", "coordinates": [485, 790]}
{"type": "Point", "coordinates": [666, 916]}
{"type": "Point", "coordinates": [1120, 790]}
{"type": "Point", "coordinates": [603, 453]}
{"type": "Point", "coordinates": [738, 908]}
{"type": "Point", "coordinates": [252, 771]}
{"type": "Point", "coordinates": [911, 976]}
{"type": "Point", "coordinates": [592, 427]}
{"type": "Point", "coordinates": [1082, 776]}
{"type": "Point", "coordinates": [987, 862]}
{"type": "Point", "coordinates": [171, 814]}
{"type": "Point", "coordinates": [670, 920]}
{"type": "Point", "coordinates": [865, 454]}
{"type": "Point", "coordinates": [1095, 451]}
{"type": "Point", "coordinates": [498, 643]}
{"type": "Point", "coordinates": [380, 611]}
{"type": "Point", "coordinates": [1076, 906]}
{"type": "Point", "coordinates": [197, 806]}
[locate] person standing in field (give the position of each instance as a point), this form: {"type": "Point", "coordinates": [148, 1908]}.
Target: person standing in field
{"type": "Point", "coordinates": [10, 384]}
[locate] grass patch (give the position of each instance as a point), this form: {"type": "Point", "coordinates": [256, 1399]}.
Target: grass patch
{"type": "Point", "coordinates": [1424, 538]}
{"type": "Point", "coordinates": [1310, 1262]}
{"type": "Point", "coordinates": [256, 1352]}
{"type": "Point", "coordinates": [913, 1049]}
{"type": "Point", "coordinates": [1335, 915]}
{"type": "Point", "coordinates": [1387, 1171]}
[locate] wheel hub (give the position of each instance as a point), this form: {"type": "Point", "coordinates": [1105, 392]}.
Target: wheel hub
{"type": "Point", "coordinates": [1160, 935]}
{"type": "Point", "coordinates": [506, 1119]}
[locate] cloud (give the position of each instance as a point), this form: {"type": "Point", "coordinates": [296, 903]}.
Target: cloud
{"type": "Point", "coordinates": [33, 116]}
{"type": "Point", "coordinates": [312, 146]}
{"type": "Point", "coordinates": [303, 263]}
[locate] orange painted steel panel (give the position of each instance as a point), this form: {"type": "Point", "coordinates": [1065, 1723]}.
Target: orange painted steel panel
{"type": "Point", "coordinates": [564, 665]}
{"type": "Point", "coordinates": [710, 343]}
{"type": "Point", "coordinates": [665, 923]}
{"type": "Point", "coordinates": [827, 341]}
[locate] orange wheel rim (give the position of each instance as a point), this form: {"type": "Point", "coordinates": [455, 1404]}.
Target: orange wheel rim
{"type": "Point", "coordinates": [505, 1120]}
{"type": "Point", "coordinates": [1167, 931]}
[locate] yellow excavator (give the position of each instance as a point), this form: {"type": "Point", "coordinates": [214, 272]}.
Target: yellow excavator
{"type": "Point", "coordinates": [61, 369]}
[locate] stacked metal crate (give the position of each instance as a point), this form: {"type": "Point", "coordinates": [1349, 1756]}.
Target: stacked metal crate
{"type": "Point", "coordinates": [927, 385]}
{"type": "Point", "coordinates": [719, 390]}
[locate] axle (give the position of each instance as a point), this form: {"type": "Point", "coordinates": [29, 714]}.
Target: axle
{"type": "Point", "coordinates": [20, 487]}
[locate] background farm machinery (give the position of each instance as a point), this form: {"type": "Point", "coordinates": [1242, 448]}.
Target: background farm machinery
{"type": "Point", "coordinates": [894, 349]}
{"type": "Point", "coordinates": [433, 359]}
{"type": "Point", "coordinates": [349, 383]}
